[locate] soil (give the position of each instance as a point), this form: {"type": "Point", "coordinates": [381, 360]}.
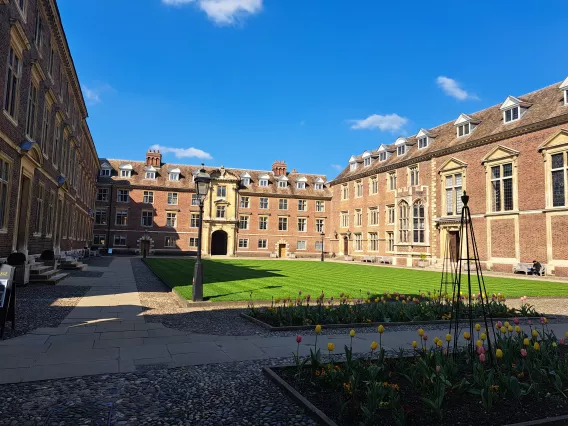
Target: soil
{"type": "Point", "coordinates": [462, 409]}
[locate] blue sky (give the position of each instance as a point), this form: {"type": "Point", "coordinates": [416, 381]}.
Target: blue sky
{"type": "Point", "coordinates": [311, 82]}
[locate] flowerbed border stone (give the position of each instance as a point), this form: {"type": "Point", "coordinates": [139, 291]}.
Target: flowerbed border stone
{"type": "Point", "coordinates": [318, 415]}
{"type": "Point", "coordinates": [367, 324]}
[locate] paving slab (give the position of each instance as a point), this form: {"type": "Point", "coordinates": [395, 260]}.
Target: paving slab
{"type": "Point", "coordinates": [166, 332]}
{"type": "Point", "coordinates": [51, 331]}
{"type": "Point", "coordinates": [201, 358]}
{"type": "Point", "coordinates": [12, 375]}
{"type": "Point", "coordinates": [119, 343]}
{"type": "Point", "coordinates": [73, 338]}
{"type": "Point", "coordinates": [154, 361]}
{"type": "Point", "coordinates": [11, 361]}
{"type": "Point", "coordinates": [58, 371]}
{"type": "Point", "coordinates": [70, 347]}
{"type": "Point", "coordinates": [148, 325]}
{"type": "Point", "coordinates": [145, 351]}
{"type": "Point", "coordinates": [81, 329]}
{"type": "Point", "coordinates": [183, 348]}
{"type": "Point", "coordinates": [51, 358]}
{"type": "Point", "coordinates": [27, 339]}
{"type": "Point", "coordinates": [115, 326]}
{"type": "Point", "coordinates": [123, 334]}
{"type": "Point", "coordinates": [167, 340]}
{"type": "Point", "coordinates": [24, 350]}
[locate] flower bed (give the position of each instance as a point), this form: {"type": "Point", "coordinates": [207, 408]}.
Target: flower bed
{"type": "Point", "coordinates": [395, 307]}
{"type": "Point", "coordinates": [521, 378]}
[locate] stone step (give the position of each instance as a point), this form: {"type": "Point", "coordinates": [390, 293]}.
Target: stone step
{"type": "Point", "coordinates": [72, 265]}
{"type": "Point", "coordinates": [38, 270]}
{"type": "Point", "coordinates": [45, 274]}
{"type": "Point", "coordinates": [53, 279]}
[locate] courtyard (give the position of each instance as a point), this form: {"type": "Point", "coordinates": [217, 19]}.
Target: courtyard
{"type": "Point", "coordinates": [243, 279]}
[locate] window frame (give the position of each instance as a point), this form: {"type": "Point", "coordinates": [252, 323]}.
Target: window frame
{"type": "Point", "coordinates": [390, 242]}
{"type": "Point", "coordinates": [222, 191]}
{"type": "Point", "coordinates": [120, 193]}
{"type": "Point", "coordinates": [11, 103]}
{"type": "Point", "coordinates": [123, 214]}
{"type": "Point", "coordinates": [510, 111]}
{"type": "Point", "coordinates": [391, 181]}
{"type": "Point", "coordinates": [302, 205]}
{"type": "Point", "coordinates": [414, 175]}
{"type": "Point", "coordinates": [243, 243]}
{"type": "Point", "coordinates": [101, 214]}
{"type": "Point", "coordinates": [320, 206]}
{"type": "Point", "coordinates": [358, 217]}
{"type": "Point", "coordinates": [373, 241]}
{"type": "Point", "coordinates": [102, 195]}
{"type": "Point", "coordinates": [283, 223]}
{"type": "Point", "coordinates": [260, 203]}
{"type": "Point", "coordinates": [358, 241]}
{"type": "Point", "coordinates": [418, 223]}
{"type": "Point", "coordinates": [374, 216]}
{"type": "Point", "coordinates": [221, 211]}
{"type": "Point", "coordinates": [358, 188]}
{"type": "Point", "coordinates": [404, 218]}
{"type": "Point", "coordinates": [344, 219]}
{"type": "Point", "coordinates": [171, 216]}
{"type": "Point", "coordinates": [150, 175]}
{"type": "Point", "coordinates": [244, 202]}
{"type": "Point", "coordinates": [373, 185]}
{"type": "Point", "coordinates": [282, 204]}
{"type": "Point", "coordinates": [264, 244]}
{"type": "Point", "coordinates": [423, 142]}
{"type": "Point", "coordinates": [172, 241]}
{"type": "Point", "coordinates": [194, 220]}
{"type": "Point", "coordinates": [148, 197]}
{"type": "Point", "coordinates": [142, 217]}
{"type": "Point", "coordinates": [320, 225]}
{"type": "Point", "coordinates": [400, 150]}
{"type": "Point", "coordinates": [302, 223]}
{"type": "Point", "coordinates": [172, 196]}
{"type": "Point", "coordinates": [263, 223]}
{"type": "Point", "coordinates": [120, 237]}
{"type": "Point", "coordinates": [282, 184]}
{"type": "Point", "coordinates": [243, 219]}
{"type": "Point", "coordinates": [303, 246]}
{"type": "Point", "coordinates": [499, 157]}
{"type": "Point", "coordinates": [301, 185]}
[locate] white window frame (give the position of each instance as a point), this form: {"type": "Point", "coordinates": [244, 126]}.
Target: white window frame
{"type": "Point", "coordinates": [260, 203]}
{"type": "Point", "coordinates": [222, 191]}
{"type": "Point", "coordinates": [245, 203]}
{"type": "Point", "coordinates": [243, 243]}
{"type": "Point", "coordinates": [193, 241]}
{"type": "Point", "coordinates": [344, 191]}
{"type": "Point", "coordinates": [373, 185]}
{"type": "Point", "coordinates": [301, 245]}
{"type": "Point", "coordinates": [282, 204]}
{"type": "Point", "coordinates": [283, 223]}
{"type": "Point", "coordinates": [382, 156]}
{"type": "Point", "coordinates": [282, 184]}
{"type": "Point", "coordinates": [171, 216]}
{"type": "Point", "coordinates": [262, 243]}
{"type": "Point", "coordinates": [423, 142]}
{"type": "Point", "coordinates": [373, 216]}
{"type": "Point", "coordinates": [245, 181]}
{"type": "Point", "coordinates": [320, 225]}
{"type": "Point", "coordinates": [122, 213]}
{"type": "Point", "coordinates": [358, 188]}
{"type": "Point", "coordinates": [300, 185]}
{"type": "Point", "coordinates": [352, 167]}
{"type": "Point", "coordinates": [400, 150]}
{"type": "Point", "coordinates": [318, 186]}
{"type": "Point", "coordinates": [169, 241]}
{"type": "Point", "coordinates": [105, 171]}
{"type": "Point", "coordinates": [102, 194]}
{"type": "Point", "coordinates": [244, 220]}
{"type": "Point", "coordinates": [142, 217]}
{"type": "Point", "coordinates": [173, 176]}
{"type": "Point", "coordinates": [464, 128]}
{"type": "Point", "coordinates": [367, 161]}
{"type": "Point", "coordinates": [148, 197]}
{"type": "Point", "coordinates": [320, 206]}
{"type": "Point", "coordinates": [263, 182]}
{"type": "Point", "coordinates": [263, 223]}
{"type": "Point", "coordinates": [173, 196]}
{"type": "Point", "coordinates": [194, 220]}
{"type": "Point", "coordinates": [358, 217]}
{"type": "Point", "coordinates": [391, 178]}
{"type": "Point", "coordinates": [302, 205]}
{"type": "Point", "coordinates": [120, 196]}
{"type": "Point", "coordinates": [120, 238]}
{"type": "Point", "coordinates": [302, 224]}
{"type": "Point", "coordinates": [510, 111]}
{"type": "Point", "coordinates": [373, 241]}
{"type": "Point", "coordinates": [358, 242]}
{"type": "Point", "coordinates": [413, 176]}
{"type": "Point", "coordinates": [150, 175]}
{"type": "Point", "coordinates": [126, 173]}
{"type": "Point", "coordinates": [344, 219]}
{"type": "Point", "coordinates": [221, 212]}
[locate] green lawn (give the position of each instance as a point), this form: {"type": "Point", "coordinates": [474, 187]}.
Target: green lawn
{"type": "Point", "coordinates": [229, 280]}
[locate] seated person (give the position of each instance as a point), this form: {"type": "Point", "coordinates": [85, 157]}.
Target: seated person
{"type": "Point", "coordinates": [536, 268]}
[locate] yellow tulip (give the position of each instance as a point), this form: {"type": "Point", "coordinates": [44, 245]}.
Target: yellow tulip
{"type": "Point", "coordinates": [506, 324]}
{"type": "Point", "coordinates": [439, 344]}
{"type": "Point", "coordinates": [318, 329]}
{"type": "Point", "coordinates": [352, 333]}
{"type": "Point", "coordinates": [466, 335]}
{"type": "Point", "coordinates": [510, 329]}
{"type": "Point", "coordinates": [503, 330]}
{"type": "Point", "coordinates": [421, 332]}
{"type": "Point", "coordinates": [536, 346]}
{"type": "Point", "coordinates": [534, 333]}
{"type": "Point", "coordinates": [414, 344]}
{"type": "Point", "coordinates": [566, 334]}
{"type": "Point", "coordinates": [381, 329]}
{"type": "Point", "coordinates": [477, 327]}
{"type": "Point", "coordinates": [374, 345]}
{"type": "Point", "coordinates": [499, 353]}
{"type": "Point", "coordinates": [483, 336]}
{"type": "Point", "coordinates": [436, 340]}
{"type": "Point", "coordinates": [518, 328]}
{"type": "Point", "coordinates": [448, 337]}
{"type": "Point", "coordinates": [526, 341]}
{"type": "Point", "coordinates": [330, 347]}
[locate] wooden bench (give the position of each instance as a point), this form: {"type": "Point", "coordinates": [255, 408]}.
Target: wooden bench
{"type": "Point", "coordinates": [386, 260]}
{"type": "Point", "coordinates": [526, 268]}
{"type": "Point", "coordinates": [370, 259]}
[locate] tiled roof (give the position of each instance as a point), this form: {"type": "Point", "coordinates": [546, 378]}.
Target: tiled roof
{"type": "Point", "coordinates": [545, 103]}
{"type": "Point", "coordinates": [186, 182]}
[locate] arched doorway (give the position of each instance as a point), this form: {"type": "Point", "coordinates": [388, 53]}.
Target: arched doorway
{"type": "Point", "coordinates": [219, 243]}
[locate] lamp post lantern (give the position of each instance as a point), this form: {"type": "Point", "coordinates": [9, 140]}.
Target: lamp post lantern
{"type": "Point", "coordinates": [322, 235]}
{"type": "Point", "coordinates": [202, 183]}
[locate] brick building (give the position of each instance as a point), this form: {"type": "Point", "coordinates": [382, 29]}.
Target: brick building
{"type": "Point", "coordinates": [48, 162]}
{"type": "Point", "coordinates": [248, 212]}
{"type": "Point", "coordinates": [403, 200]}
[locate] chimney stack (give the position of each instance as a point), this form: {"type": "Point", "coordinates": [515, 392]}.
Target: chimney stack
{"type": "Point", "coordinates": [154, 158]}
{"type": "Point", "coordinates": [279, 168]}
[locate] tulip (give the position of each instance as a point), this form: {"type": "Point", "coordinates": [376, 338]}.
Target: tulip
{"type": "Point", "coordinates": [330, 347]}
{"type": "Point", "coordinates": [506, 324]}
{"type": "Point", "coordinates": [566, 334]}
{"type": "Point", "coordinates": [466, 335]}
{"type": "Point", "coordinates": [526, 341]}
{"type": "Point", "coordinates": [298, 339]}
{"type": "Point", "coordinates": [436, 340]}
{"type": "Point", "coordinates": [499, 324]}
{"type": "Point", "coordinates": [414, 344]}
{"type": "Point", "coordinates": [425, 336]}
{"type": "Point", "coordinates": [439, 343]}
{"type": "Point", "coordinates": [536, 346]}
{"type": "Point", "coordinates": [503, 330]}
{"type": "Point", "coordinates": [499, 353]}
{"type": "Point", "coordinates": [534, 333]}
{"type": "Point", "coordinates": [529, 322]}
{"type": "Point", "coordinates": [478, 343]}
{"type": "Point", "coordinates": [561, 341]}
{"type": "Point", "coordinates": [480, 350]}
{"type": "Point", "coordinates": [482, 358]}
{"type": "Point", "coordinates": [477, 327]}
{"type": "Point", "coordinates": [510, 329]}
{"type": "Point", "coordinates": [523, 352]}
{"type": "Point", "coordinates": [483, 336]}
{"type": "Point", "coordinates": [516, 320]}
{"type": "Point", "coordinates": [381, 329]}
{"type": "Point", "coordinates": [318, 329]}
{"type": "Point", "coordinates": [448, 337]}
{"type": "Point", "coordinates": [374, 346]}
{"type": "Point", "coordinates": [518, 328]}
{"type": "Point", "coordinates": [421, 332]}
{"type": "Point", "coordinates": [352, 333]}
{"type": "Point", "coordinates": [554, 344]}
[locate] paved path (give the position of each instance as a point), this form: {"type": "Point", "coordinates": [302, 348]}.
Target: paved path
{"type": "Point", "coordinates": [106, 333]}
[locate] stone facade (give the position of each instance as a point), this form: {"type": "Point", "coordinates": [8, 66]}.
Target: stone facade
{"type": "Point", "coordinates": [48, 162]}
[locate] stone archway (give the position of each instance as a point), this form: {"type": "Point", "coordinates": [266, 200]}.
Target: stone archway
{"type": "Point", "coordinates": [219, 241]}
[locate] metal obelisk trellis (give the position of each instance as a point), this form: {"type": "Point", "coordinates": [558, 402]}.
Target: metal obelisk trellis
{"type": "Point", "coordinates": [448, 270]}
{"type": "Point", "coordinates": [468, 253]}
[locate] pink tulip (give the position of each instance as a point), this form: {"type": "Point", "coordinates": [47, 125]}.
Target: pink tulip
{"type": "Point", "coordinates": [516, 321]}
{"type": "Point", "coordinates": [480, 350]}
{"type": "Point", "coordinates": [542, 321]}
{"type": "Point", "coordinates": [561, 341]}
{"type": "Point", "coordinates": [298, 339]}
{"type": "Point", "coordinates": [425, 337]}
{"type": "Point", "coordinates": [530, 322]}
{"type": "Point", "coordinates": [481, 358]}
{"type": "Point", "coordinates": [438, 368]}
{"type": "Point", "coordinates": [499, 324]}
{"type": "Point", "coordinates": [523, 352]}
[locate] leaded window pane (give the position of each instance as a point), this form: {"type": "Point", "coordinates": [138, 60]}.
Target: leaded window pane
{"type": "Point", "coordinates": [496, 201]}
{"type": "Point", "coordinates": [558, 188]}
{"type": "Point", "coordinates": [557, 161]}
{"type": "Point", "coordinates": [507, 194]}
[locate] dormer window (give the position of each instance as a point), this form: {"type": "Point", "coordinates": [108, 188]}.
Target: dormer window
{"type": "Point", "coordinates": [318, 184]}
{"type": "Point", "coordinates": [463, 130]}
{"type": "Point", "coordinates": [424, 137]}
{"type": "Point", "coordinates": [367, 160]}
{"type": "Point", "coordinates": [383, 156]}
{"type": "Point", "coordinates": [511, 114]}
{"type": "Point", "coordinates": [282, 184]}
{"type": "Point", "coordinates": [245, 179]}
{"type": "Point", "coordinates": [566, 97]}
{"type": "Point", "coordinates": [352, 164]}
{"type": "Point", "coordinates": [513, 109]}
{"type": "Point", "coordinates": [564, 88]}
{"type": "Point", "coordinates": [301, 183]}
{"type": "Point", "coordinates": [105, 169]}
{"type": "Point", "coordinates": [423, 142]}
{"type": "Point", "coordinates": [263, 180]}
{"type": "Point", "coordinates": [125, 170]}
{"type": "Point", "coordinates": [401, 150]}
{"type": "Point", "coordinates": [105, 172]}
{"type": "Point", "coordinates": [173, 174]}
{"type": "Point", "coordinates": [150, 175]}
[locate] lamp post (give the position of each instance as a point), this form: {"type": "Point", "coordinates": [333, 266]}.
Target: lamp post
{"type": "Point", "coordinates": [146, 241]}
{"type": "Point", "coordinates": [322, 235]}
{"type": "Point", "coordinates": [202, 182]}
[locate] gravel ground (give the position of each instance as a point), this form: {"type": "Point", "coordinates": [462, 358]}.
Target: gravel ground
{"type": "Point", "coordinates": [221, 394]}
{"type": "Point", "coordinates": [43, 306]}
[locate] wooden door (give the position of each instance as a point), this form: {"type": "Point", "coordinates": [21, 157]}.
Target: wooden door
{"type": "Point", "coordinates": [346, 246]}
{"type": "Point", "coordinates": [281, 250]}
{"type": "Point", "coordinates": [454, 238]}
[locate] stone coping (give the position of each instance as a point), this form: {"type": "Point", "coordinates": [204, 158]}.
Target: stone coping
{"type": "Point", "coordinates": [370, 324]}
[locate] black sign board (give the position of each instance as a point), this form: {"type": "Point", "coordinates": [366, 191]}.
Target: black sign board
{"type": "Point", "coordinates": [7, 297]}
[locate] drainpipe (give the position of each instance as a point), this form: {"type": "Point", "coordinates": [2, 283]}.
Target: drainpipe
{"type": "Point", "coordinates": [109, 218]}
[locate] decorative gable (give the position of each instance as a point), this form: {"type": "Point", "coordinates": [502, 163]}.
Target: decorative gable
{"type": "Point", "coordinates": [465, 124]}
{"type": "Point", "coordinates": [451, 165]}
{"type": "Point", "coordinates": [513, 109]}
{"type": "Point", "coordinates": [557, 140]}
{"type": "Point", "coordinates": [498, 153]}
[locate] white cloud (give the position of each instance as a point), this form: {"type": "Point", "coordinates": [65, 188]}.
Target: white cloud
{"type": "Point", "coordinates": [223, 12]}
{"type": "Point", "coordinates": [452, 88]}
{"type": "Point", "coordinates": [93, 94]}
{"type": "Point", "coordinates": [183, 152]}
{"type": "Point", "coordinates": [385, 123]}
{"type": "Point", "coordinates": [336, 167]}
